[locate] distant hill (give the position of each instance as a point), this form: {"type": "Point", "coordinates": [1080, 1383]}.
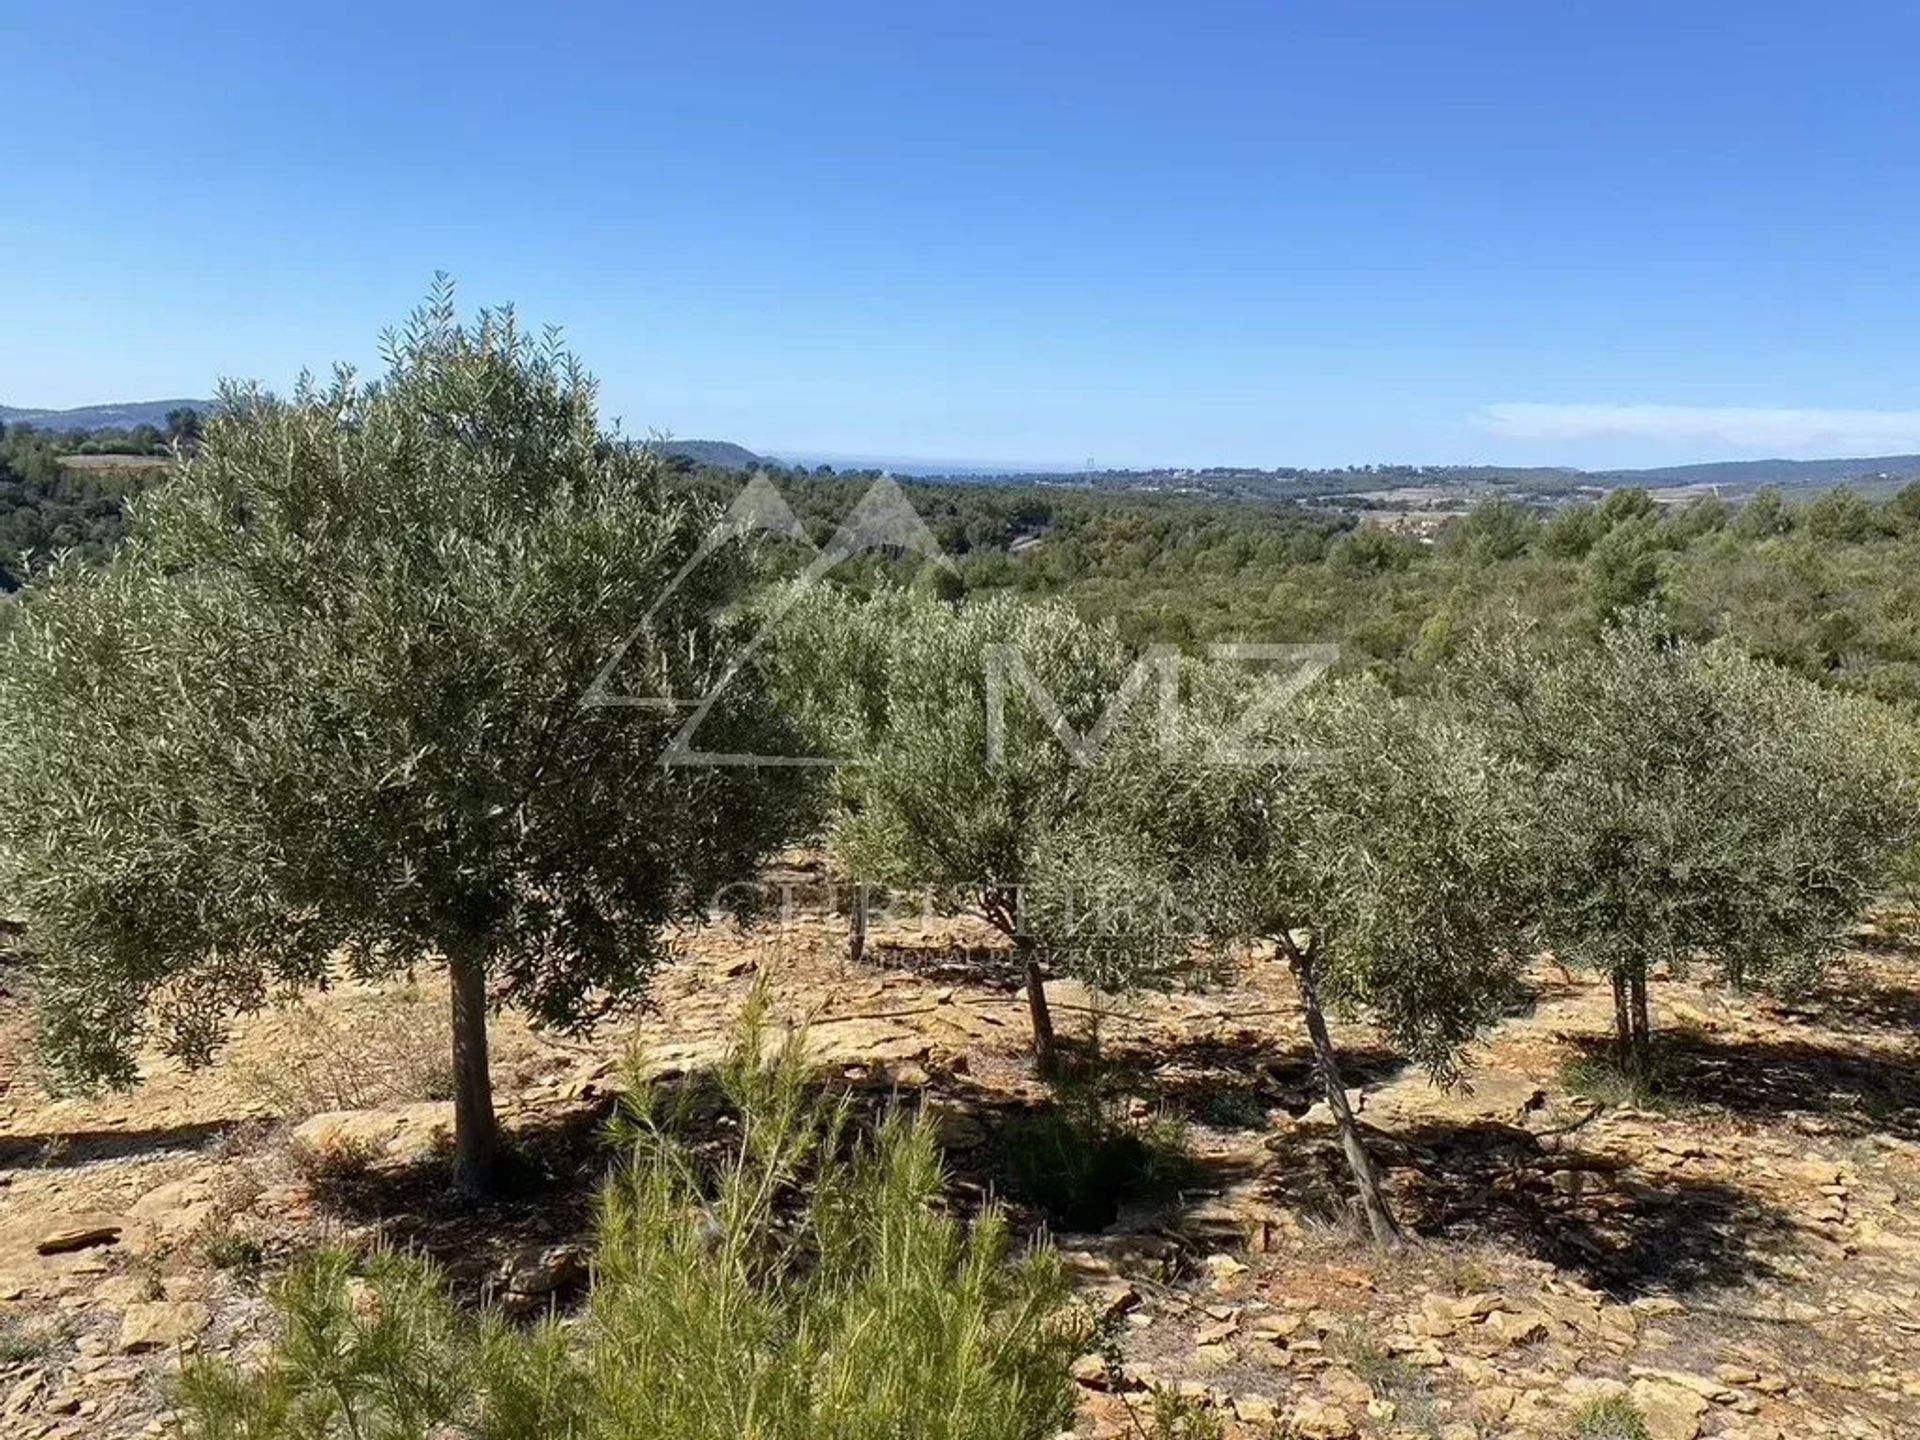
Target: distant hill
{"type": "Point", "coordinates": [122, 416]}
{"type": "Point", "coordinates": [1391, 484]}
{"type": "Point", "coordinates": [1869, 473]}
{"type": "Point", "coordinates": [1752, 474]}
{"type": "Point", "coordinates": [721, 454]}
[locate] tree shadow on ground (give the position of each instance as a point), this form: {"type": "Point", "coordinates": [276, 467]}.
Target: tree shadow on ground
{"type": "Point", "coordinates": [563, 1158]}
{"type": "Point", "coordinates": [1231, 1082]}
{"type": "Point", "coordinates": [1076, 1161]}
{"type": "Point", "coordinates": [1858, 1092]}
{"type": "Point", "coordinates": [1545, 985]}
{"type": "Point", "coordinates": [1860, 998]}
{"type": "Point", "coordinates": [546, 1196]}
{"type": "Point", "coordinates": [1582, 1212]}
{"type": "Point", "coordinates": [60, 1150]}
{"type": "Point", "coordinates": [1049, 1156]}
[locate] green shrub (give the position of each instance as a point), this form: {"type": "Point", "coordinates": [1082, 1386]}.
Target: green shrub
{"type": "Point", "coordinates": [1602, 1079]}
{"type": "Point", "coordinates": [794, 1283]}
{"type": "Point", "coordinates": [19, 1344]}
{"type": "Point", "coordinates": [1176, 1417]}
{"type": "Point", "coordinates": [1614, 1419]}
{"type": "Point", "coordinates": [243, 1255]}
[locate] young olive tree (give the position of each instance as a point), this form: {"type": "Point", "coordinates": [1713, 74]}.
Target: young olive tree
{"type": "Point", "coordinates": [323, 711]}
{"type": "Point", "coordinates": [1690, 802]}
{"type": "Point", "coordinates": [1372, 840]}
{"type": "Point", "coordinates": [976, 738]}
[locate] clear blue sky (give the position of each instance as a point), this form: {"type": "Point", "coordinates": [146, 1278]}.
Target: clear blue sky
{"type": "Point", "coordinates": [1333, 232]}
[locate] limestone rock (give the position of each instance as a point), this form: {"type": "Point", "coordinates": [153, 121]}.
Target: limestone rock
{"type": "Point", "coordinates": [175, 1210]}
{"type": "Point", "coordinates": [1319, 1421]}
{"type": "Point", "coordinates": [542, 1270]}
{"type": "Point", "coordinates": [1217, 1331]}
{"type": "Point", "coordinates": [20, 1394]}
{"type": "Point", "coordinates": [162, 1324]}
{"type": "Point", "coordinates": [1673, 1412]}
{"type": "Point", "coordinates": [1256, 1409]}
{"type": "Point", "coordinates": [407, 1134]}
{"type": "Point", "coordinates": [1091, 1371]}
{"type": "Point", "coordinates": [81, 1233]}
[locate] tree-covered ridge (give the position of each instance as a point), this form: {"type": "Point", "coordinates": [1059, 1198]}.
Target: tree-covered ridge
{"type": "Point", "coordinates": [55, 495]}
{"type": "Point", "coordinates": [1828, 587]}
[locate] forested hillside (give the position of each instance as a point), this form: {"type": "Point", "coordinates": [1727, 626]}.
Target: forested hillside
{"type": "Point", "coordinates": [58, 492]}
{"type": "Point", "coordinates": [1829, 588]}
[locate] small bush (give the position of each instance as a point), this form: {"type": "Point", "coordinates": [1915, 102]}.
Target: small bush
{"type": "Point", "coordinates": [772, 1275]}
{"type": "Point", "coordinates": [333, 1167]}
{"type": "Point", "coordinates": [1175, 1417]}
{"type": "Point", "coordinates": [1599, 1078]}
{"type": "Point", "coordinates": [243, 1255]}
{"type": "Point", "coordinates": [1388, 1375]}
{"type": "Point", "coordinates": [1079, 1158]}
{"type": "Point", "coordinates": [1614, 1419]}
{"type": "Point", "coordinates": [358, 1053]}
{"type": "Point", "coordinates": [1468, 1275]}
{"type": "Point", "coordinates": [18, 1344]}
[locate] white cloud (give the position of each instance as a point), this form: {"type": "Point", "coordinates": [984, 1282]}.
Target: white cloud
{"type": "Point", "coordinates": [1775, 432]}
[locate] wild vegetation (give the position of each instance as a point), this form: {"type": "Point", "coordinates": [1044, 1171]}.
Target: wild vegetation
{"type": "Point", "coordinates": [1824, 586]}
{"type": "Point", "coordinates": [409, 674]}
{"type": "Point", "coordinates": [801, 1282]}
{"type": "Point", "coordinates": [48, 506]}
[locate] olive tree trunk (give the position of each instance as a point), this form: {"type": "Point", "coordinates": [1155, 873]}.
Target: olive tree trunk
{"type": "Point", "coordinates": [476, 1131]}
{"type": "Point", "coordinates": [1045, 1054]}
{"type": "Point", "coordinates": [857, 924]}
{"type": "Point", "coordinates": [1632, 1022]}
{"type": "Point", "coordinates": [1001, 907]}
{"type": "Point", "coordinates": [1366, 1178]}
{"type": "Point", "coordinates": [1642, 1025]}
{"type": "Point", "coordinates": [1622, 1024]}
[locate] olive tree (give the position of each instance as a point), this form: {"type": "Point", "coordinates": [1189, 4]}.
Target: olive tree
{"type": "Point", "coordinates": [322, 714]}
{"type": "Point", "coordinates": [1693, 803]}
{"type": "Point", "coordinates": [977, 739]}
{"type": "Point", "coordinates": [1374, 842]}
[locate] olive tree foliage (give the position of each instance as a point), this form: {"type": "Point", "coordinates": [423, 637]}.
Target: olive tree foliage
{"type": "Point", "coordinates": [1374, 841]}
{"type": "Point", "coordinates": [1692, 803]}
{"type": "Point", "coordinates": [978, 743]}
{"type": "Point", "coordinates": [322, 712]}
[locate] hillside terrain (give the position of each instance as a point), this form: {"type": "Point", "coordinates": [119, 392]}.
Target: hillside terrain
{"type": "Point", "coordinates": [1611, 1137]}
{"type": "Point", "coordinates": [120, 415]}
{"type": "Point", "coordinates": [1871, 474]}
{"type": "Point", "coordinates": [1744, 1263]}
{"type": "Point", "coordinates": [1822, 582]}
{"type": "Point", "coordinates": [722, 454]}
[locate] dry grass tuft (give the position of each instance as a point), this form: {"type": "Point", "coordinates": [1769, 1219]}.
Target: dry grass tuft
{"type": "Point", "coordinates": [353, 1052]}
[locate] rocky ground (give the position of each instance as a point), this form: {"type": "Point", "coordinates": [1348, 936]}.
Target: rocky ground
{"type": "Point", "coordinates": [1744, 1262]}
